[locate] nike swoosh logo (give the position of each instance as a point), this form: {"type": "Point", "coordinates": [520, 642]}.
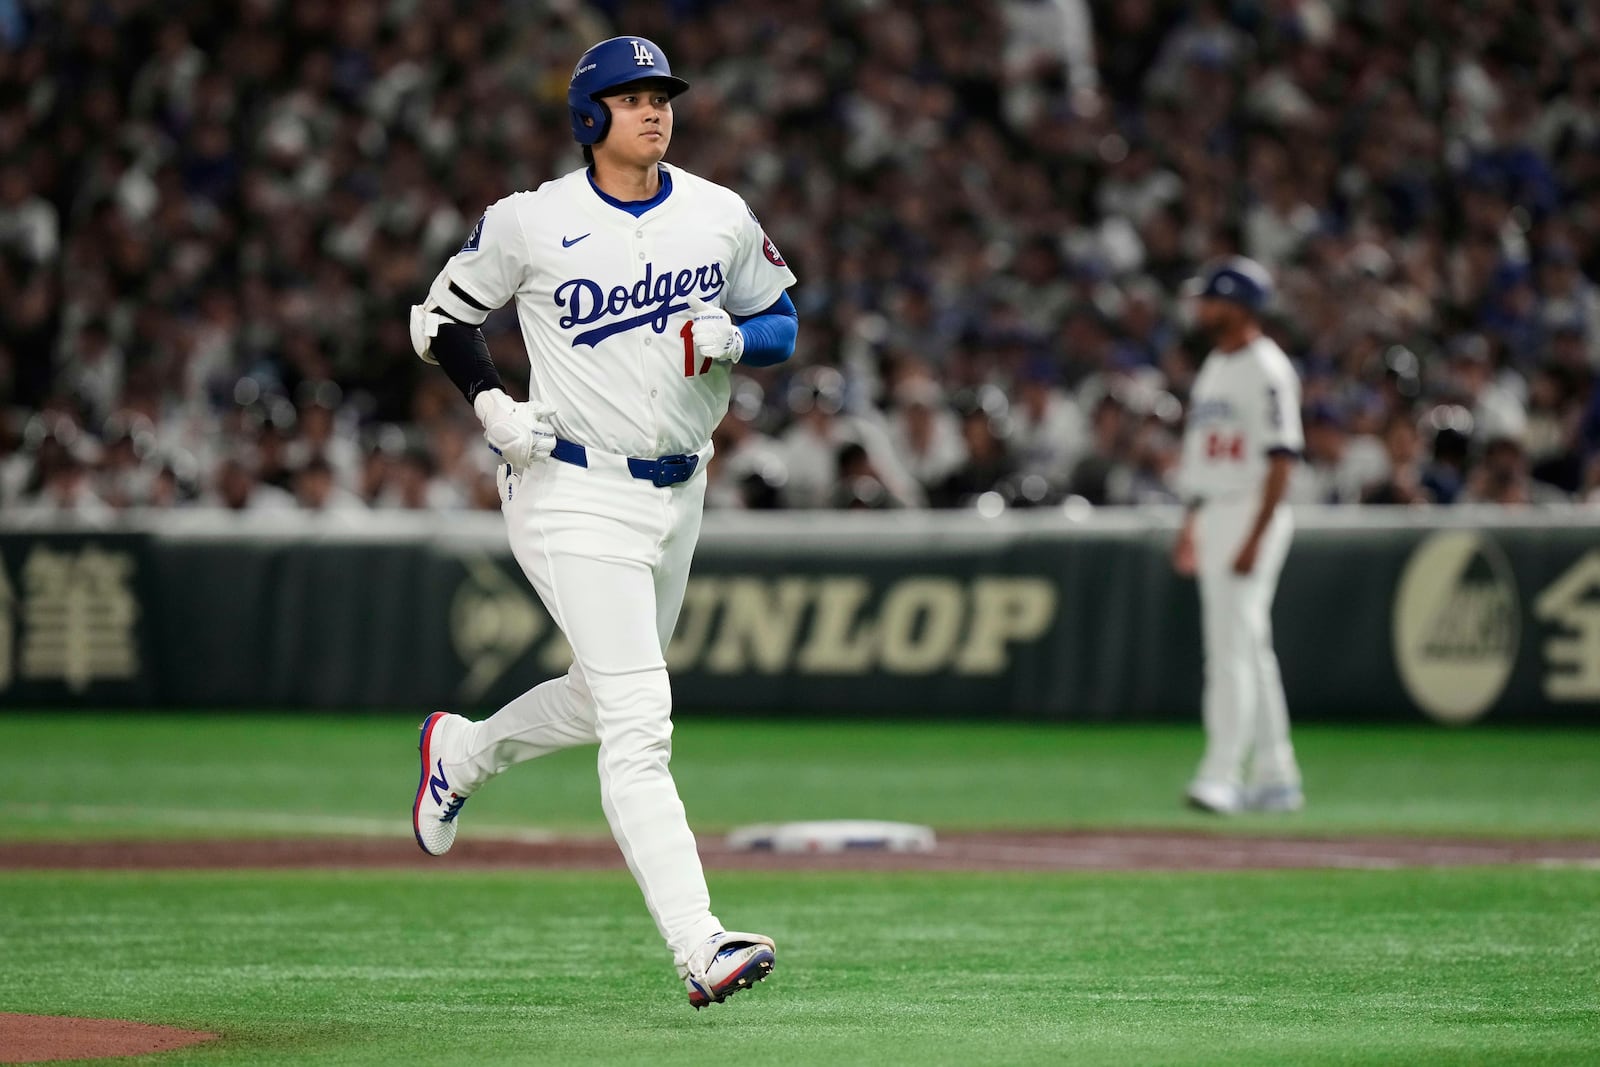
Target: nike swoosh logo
{"type": "Point", "coordinates": [568, 243]}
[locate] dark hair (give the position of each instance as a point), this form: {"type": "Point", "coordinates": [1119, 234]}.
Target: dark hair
{"type": "Point", "coordinates": [419, 457]}
{"type": "Point", "coordinates": [849, 455]}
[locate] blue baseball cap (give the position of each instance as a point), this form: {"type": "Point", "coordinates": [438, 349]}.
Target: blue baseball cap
{"type": "Point", "coordinates": [1240, 280]}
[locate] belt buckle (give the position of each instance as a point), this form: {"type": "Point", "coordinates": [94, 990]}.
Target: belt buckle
{"type": "Point", "coordinates": [670, 470]}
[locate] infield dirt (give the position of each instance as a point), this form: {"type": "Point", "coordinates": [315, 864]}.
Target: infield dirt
{"type": "Point", "coordinates": [50, 1038]}
{"type": "Point", "coordinates": [1032, 851]}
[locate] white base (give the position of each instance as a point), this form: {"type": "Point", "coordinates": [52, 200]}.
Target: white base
{"type": "Point", "coordinates": [833, 835]}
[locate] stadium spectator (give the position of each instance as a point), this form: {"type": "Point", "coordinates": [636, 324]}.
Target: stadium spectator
{"type": "Point", "coordinates": [747, 466]}
{"type": "Point", "coordinates": [814, 443]}
{"type": "Point", "coordinates": [413, 484]}
{"type": "Point", "coordinates": [317, 489]}
{"type": "Point", "coordinates": [988, 465]}
{"type": "Point", "coordinates": [1402, 483]}
{"type": "Point", "coordinates": [1048, 433]}
{"type": "Point", "coordinates": [925, 432]}
{"type": "Point", "coordinates": [1445, 476]}
{"type": "Point", "coordinates": [1502, 477]}
{"type": "Point", "coordinates": [1338, 465]}
{"type": "Point", "coordinates": [237, 488]}
{"type": "Point", "coordinates": [1095, 477]}
{"type": "Point", "coordinates": [859, 486]}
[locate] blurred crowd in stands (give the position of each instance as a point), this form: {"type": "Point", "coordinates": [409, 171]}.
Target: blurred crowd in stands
{"type": "Point", "coordinates": [213, 218]}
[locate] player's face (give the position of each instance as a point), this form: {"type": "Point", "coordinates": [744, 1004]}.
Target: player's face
{"type": "Point", "coordinates": [1215, 317]}
{"type": "Point", "coordinates": [641, 126]}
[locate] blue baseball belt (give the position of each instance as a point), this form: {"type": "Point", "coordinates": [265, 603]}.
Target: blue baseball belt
{"type": "Point", "coordinates": [659, 472]}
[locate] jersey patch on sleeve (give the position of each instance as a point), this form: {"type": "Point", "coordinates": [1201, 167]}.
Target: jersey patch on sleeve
{"type": "Point", "coordinates": [771, 251]}
{"type": "Point", "coordinates": [475, 237]}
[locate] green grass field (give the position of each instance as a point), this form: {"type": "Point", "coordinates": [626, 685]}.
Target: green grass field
{"type": "Point", "coordinates": [1470, 966]}
{"type": "Point", "coordinates": [105, 776]}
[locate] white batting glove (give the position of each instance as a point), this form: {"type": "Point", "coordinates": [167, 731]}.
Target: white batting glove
{"type": "Point", "coordinates": [520, 434]}
{"type": "Point", "coordinates": [715, 335]}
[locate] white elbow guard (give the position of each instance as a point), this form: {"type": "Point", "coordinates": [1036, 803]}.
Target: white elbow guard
{"type": "Point", "coordinates": [424, 328]}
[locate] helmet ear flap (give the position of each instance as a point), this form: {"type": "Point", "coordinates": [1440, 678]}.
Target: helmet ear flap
{"type": "Point", "coordinates": [591, 120]}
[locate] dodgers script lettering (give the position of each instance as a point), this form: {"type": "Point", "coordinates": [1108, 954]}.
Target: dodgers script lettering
{"type": "Point", "coordinates": [655, 297]}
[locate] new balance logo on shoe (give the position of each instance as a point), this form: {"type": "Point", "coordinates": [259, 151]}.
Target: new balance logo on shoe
{"type": "Point", "coordinates": [437, 782]}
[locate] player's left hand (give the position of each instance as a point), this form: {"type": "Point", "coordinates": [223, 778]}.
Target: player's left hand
{"type": "Point", "coordinates": [715, 335]}
{"type": "Point", "coordinates": [1245, 561]}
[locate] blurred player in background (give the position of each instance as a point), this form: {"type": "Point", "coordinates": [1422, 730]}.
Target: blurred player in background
{"type": "Point", "coordinates": [637, 287]}
{"type": "Point", "coordinates": [1241, 444]}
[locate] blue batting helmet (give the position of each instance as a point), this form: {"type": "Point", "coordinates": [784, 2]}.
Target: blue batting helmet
{"type": "Point", "coordinates": [608, 65]}
{"type": "Point", "coordinates": [1243, 281]}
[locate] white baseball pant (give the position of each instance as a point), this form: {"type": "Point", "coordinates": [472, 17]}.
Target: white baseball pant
{"type": "Point", "coordinates": [609, 556]}
{"type": "Point", "coordinates": [1245, 711]}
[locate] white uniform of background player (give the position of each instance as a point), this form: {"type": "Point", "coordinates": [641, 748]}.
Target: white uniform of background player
{"type": "Point", "coordinates": [1242, 439]}
{"type": "Point", "coordinates": [624, 277]}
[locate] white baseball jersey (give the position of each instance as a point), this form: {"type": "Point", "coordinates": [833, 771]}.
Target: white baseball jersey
{"type": "Point", "coordinates": [604, 302]}
{"type": "Point", "coordinates": [1245, 406]}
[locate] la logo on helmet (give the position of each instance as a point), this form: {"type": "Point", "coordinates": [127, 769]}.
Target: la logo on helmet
{"type": "Point", "coordinates": [642, 56]}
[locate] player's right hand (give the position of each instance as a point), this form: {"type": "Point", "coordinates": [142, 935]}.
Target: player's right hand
{"type": "Point", "coordinates": [520, 433]}
{"type": "Point", "coordinates": [1183, 555]}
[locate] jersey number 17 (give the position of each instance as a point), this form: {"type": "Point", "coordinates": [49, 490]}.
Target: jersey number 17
{"type": "Point", "coordinates": [687, 333]}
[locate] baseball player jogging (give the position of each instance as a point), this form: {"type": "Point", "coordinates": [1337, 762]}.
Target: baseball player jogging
{"type": "Point", "coordinates": [1242, 440]}
{"type": "Point", "coordinates": [637, 286]}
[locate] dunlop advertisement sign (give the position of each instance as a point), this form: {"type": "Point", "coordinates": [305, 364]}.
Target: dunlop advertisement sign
{"type": "Point", "coordinates": [836, 624]}
{"type": "Point", "coordinates": [1389, 623]}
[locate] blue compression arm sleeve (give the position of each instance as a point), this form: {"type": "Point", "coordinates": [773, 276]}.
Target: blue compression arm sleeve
{"type": "Point", "coordinates": [769, 336]}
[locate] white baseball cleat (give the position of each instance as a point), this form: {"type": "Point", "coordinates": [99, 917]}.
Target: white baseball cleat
{"type": "Point", "coordinates": [433, 814]}
{"type": "Point", "coordinates": [1277, 799]}
{"type": "Point", "coordinates": [726, 963]}
{"type": "Point", "coordinates": [1217, 798]}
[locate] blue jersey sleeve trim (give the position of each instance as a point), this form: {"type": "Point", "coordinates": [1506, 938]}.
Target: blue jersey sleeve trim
{"type": "Point", "coordinates": [769, 337]}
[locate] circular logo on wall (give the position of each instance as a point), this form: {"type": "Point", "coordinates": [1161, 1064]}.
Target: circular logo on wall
{"type": "Point", "coordinates": [1457, 625]}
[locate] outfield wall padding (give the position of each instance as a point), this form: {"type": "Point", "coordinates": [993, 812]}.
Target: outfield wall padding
{"type": "Point", "coordinates": [1455, 617]}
